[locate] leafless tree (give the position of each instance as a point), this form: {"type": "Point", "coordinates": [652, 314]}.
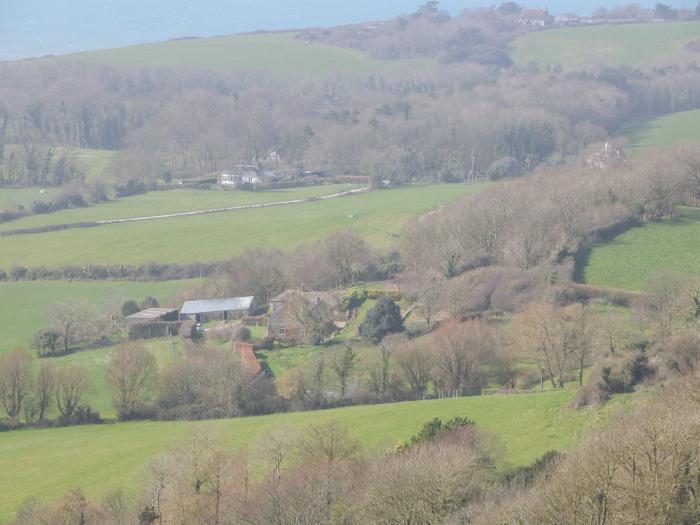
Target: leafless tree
{"type": "Point", "coordinates": [15, 381]}
{"type": "Point", "coordinates": [131, 372]}
{"type": "Point", "coordinates": [71, 384]}
{"type": "Point", "coordinates": [45, 387]}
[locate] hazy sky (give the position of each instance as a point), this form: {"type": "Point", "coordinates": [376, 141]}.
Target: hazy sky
{"type": "Point", "coordinates": [38, 27]}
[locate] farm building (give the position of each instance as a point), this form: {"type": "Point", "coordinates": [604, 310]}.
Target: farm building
{"type": "Point", "coordinates": [284, 323]}
{"type": "Point", "coordinates": [239, 176]}
{"type": "Point", "coordinates": [198, 310]}
{"type": "Point", "coordinates": [152, 322]}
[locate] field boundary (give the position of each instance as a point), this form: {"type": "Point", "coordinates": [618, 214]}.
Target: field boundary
{"type": "Point", "coordinates": [92, 224]}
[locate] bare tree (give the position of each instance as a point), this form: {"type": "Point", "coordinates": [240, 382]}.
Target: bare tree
{"type": "Point", "coordinates": [45, 387]}
{"type": "Point", "coordinates": [459, 350]}
{"type": "Point", "coordinates": [69, 318]}
{"type": "Point", "coordinates": [131, 372]}
{"type": "Point", "coordinates": [71, 384]}
{"type": "Point", "coordinates": [346, 253]}
{"type": "Point", "coordinates": [15, 380]}
{"type": "Point", "coordinates": [415, 362]}
{"type": "Point", "coordinates": [541, 337]}
{"type": "Point", "coordinates": [343, 363]}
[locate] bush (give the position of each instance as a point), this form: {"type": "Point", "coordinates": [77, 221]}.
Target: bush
{"type": "Point", "coordinates": [129, 307]}
{"type": "Point", "coordinates": [83, 415]}
{"type": "Point", "coordinates": [267, 343]}
{"type": "Point", "coordinates": [47, 343]}
{"type": "Point", "coordinates": [503, 168]}
{"type": "Point", "coordinates": [382, 319]}
{"type": "Point", "coordinates": [241, 333]}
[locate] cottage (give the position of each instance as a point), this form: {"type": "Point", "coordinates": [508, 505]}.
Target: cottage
{"type": "Point", "coordinates": [284, 324]}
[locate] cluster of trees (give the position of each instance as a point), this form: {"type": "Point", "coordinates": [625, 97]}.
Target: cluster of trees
{"type": "Point", "coordinates": [34, 393]}
{"type": "Point", "coordinates": [478, 35]}
{"type": "Point", "coordinates": [635, 12]}
{"type": "Point", "coordinates": [434, 122]}
{"type": "Point", "coordinates": [320, 475]}
{"type": "Point", "coordinates": [335, 262]}
{"type": "Point", "coordinates": [546, 217]}
{"type": "Point", "coordinates": [97, 272]}
{"type": "Point", "coordinates": [78, 322]}
{"type": "Point", "coordinates": [38, 165]}
{"type": "Point", "coordinates": [641, 469]}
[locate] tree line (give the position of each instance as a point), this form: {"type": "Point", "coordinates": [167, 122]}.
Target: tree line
{"type": "Point", "coordinates": [435, 122]}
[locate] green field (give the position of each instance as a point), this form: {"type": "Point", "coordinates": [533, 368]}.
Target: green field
{"type": "Point", "coordinates": [23, 308]}
{"type": "Point", "coordinates": [165, 202]}
{"type": "Point", "coordinates": [610, 45]}
{"type": "Point", "coordinates": [669, 130]}
{"type": "Point", "coordinates": [631, 258]}
{"type": "Point", "coordinates": [375, 215]}
{"type": "Point", "coordinates": [94, 361]}
{"type": "Point", "coordinates": [280, 53]}
{"type": "Point", "coordinates": [94, 161]}
{"type": "Point", "coordinates": [14, 197]}
{"type": "Point", "coordinates": [98, 458]}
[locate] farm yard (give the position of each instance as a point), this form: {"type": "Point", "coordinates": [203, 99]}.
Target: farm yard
{"type": "Point", "coordinates": [106, 457]}
{"type": "Point", "coordinates": [607, 45]}
{"type": "Point", "coordinates": [377, 216]}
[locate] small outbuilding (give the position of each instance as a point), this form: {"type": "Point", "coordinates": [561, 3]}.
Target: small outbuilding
{"type": "Point", "coordinates": [152, 322]}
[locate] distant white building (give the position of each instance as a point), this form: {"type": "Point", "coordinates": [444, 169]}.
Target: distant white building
{"type": "Point", "coordinates": [239, 175]}
{"type": "Point", "coordinates": [535, 17]}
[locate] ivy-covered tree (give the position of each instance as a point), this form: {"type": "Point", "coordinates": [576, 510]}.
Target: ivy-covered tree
{"type": "Point", "coordinates": [382, 319]}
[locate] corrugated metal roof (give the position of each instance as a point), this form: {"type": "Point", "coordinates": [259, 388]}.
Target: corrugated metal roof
{"type": "Point", "coordinates": [211, 306]}
{"type": "Point", "coordinates": [151, 313]}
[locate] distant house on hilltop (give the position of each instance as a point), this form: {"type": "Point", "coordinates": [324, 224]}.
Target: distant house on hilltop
{"type": "Point", "coordinates": [535, 17]}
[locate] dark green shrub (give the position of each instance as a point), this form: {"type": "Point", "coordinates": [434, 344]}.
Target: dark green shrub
{"type": "Point", "coordinates": [382, 319]}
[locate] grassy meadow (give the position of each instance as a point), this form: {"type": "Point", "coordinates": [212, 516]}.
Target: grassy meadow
{"type": "Point", "coordinates": [631, 258]}
{"type": "Point", "coordinates": [166, 202]}
{"type": "Point", "coordinates": [15, 197]}
{"type": "Point", "coordinates": [668, 130]}
{"type": "Point", "coordinates": [376, 215]}
{"type": "Point", "coordinates": [280, 53]}
{"type": "Point", "coordinates": [23, 308]}
{"type": "Point", "coordinates": [102, 457]}
{"type": "Point", "coordinates": [607, 45]}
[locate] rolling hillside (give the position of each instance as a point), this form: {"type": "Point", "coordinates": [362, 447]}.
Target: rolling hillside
{"type": "Point", "coordinates": [102, 457]}
{"type": "Point", "coordinates": [607, 45]}
{"type": "Point", "coordinates": [280, 53]}
{"type": "Point", "coordinates": [669, 130]}
{"type": "Point", "coordinates": [631, 258]}
{"type": "Point", "coordinates": [376, 215]}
